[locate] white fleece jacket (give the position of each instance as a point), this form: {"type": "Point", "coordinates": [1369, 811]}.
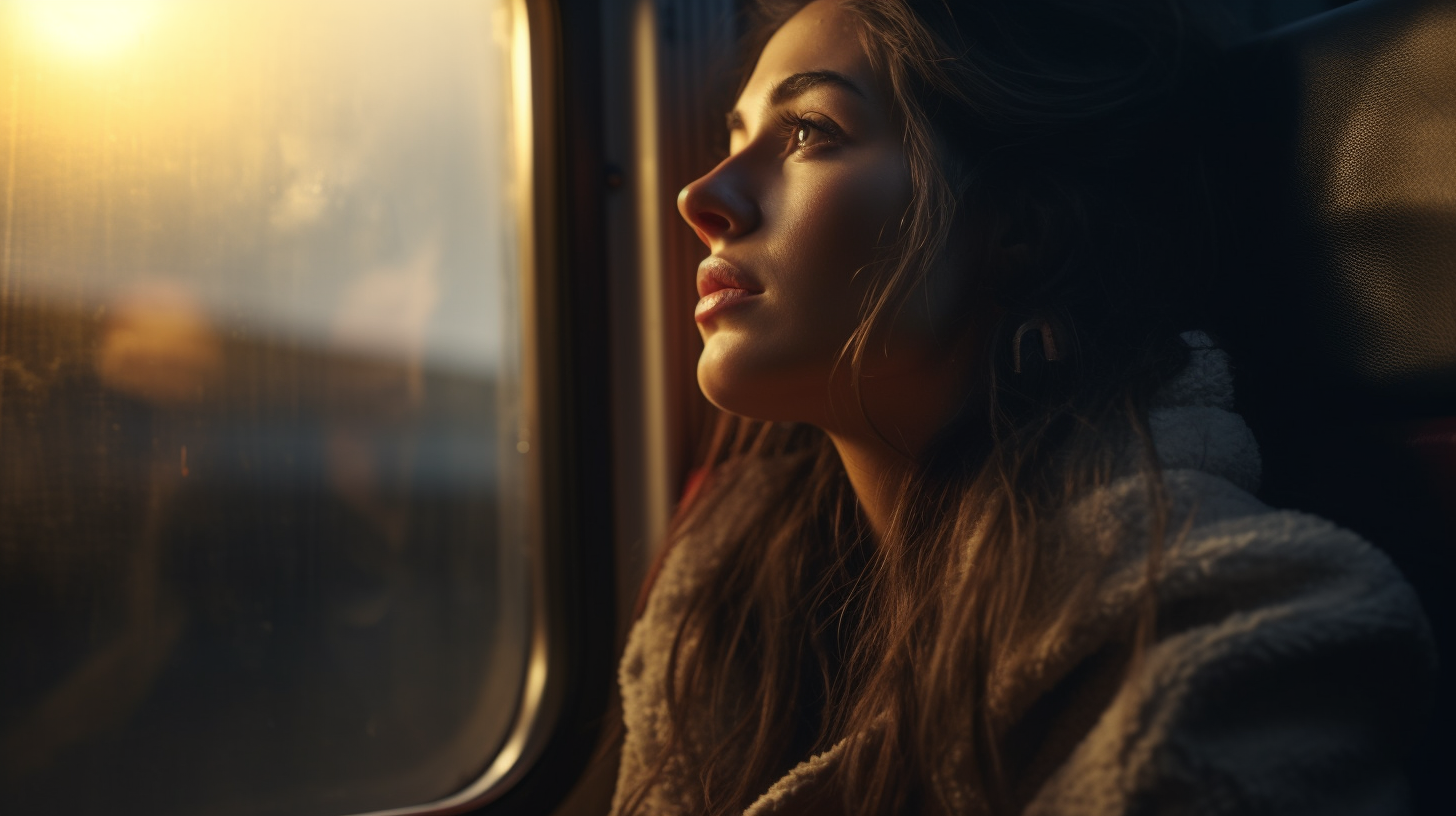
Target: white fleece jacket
{"type": "Point", "coordinates": [1292, 661]}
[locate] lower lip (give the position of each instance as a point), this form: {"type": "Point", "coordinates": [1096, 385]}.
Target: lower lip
{"type": "Point", "coordinates": [715, 302]}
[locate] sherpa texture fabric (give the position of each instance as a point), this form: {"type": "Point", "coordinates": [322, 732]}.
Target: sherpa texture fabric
{"type": "Point", "coordinates": [1291, 664]}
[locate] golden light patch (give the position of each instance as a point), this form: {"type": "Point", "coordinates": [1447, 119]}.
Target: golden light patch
{"type": "Point", "coordinates": [87, 28]}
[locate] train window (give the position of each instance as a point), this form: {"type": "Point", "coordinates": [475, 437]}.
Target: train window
{"type": "Point", "coordinates": [266, 408]}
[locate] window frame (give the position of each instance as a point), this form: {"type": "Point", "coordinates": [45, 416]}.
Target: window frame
{"type": "Point", "coordinates": [574, 596]}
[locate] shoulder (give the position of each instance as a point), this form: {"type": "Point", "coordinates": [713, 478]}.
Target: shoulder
{"type": "Point", "coordinates": [1290, 660]}
{"type": "Point", "coordinates": [1290, 663]}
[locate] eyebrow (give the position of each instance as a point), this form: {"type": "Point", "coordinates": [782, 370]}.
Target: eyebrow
{"type": "Point", "coordinates": [796, 85]}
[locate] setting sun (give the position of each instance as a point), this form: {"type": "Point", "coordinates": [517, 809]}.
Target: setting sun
{"type": "Point", "coordinates": [87, 28]}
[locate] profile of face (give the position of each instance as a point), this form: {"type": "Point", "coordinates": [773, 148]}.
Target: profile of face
{"type": "Point", "coordinates": [808, 201]}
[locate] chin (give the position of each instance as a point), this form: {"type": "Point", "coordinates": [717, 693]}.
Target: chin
{"type": "Point", "coordinates": [753, 392]}
{"type": "Point", "coordinates": [726, 392]}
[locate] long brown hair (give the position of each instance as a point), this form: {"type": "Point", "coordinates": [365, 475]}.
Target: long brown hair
{"type": "Point", "coordinates": [1055, 126]}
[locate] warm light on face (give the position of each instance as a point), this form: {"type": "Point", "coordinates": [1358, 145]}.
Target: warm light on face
{"type": "Point", "coordinates": [87, 28]}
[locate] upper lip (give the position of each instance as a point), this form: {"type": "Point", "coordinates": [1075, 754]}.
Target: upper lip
{"type": "Point", "coordinates": [716, 273]}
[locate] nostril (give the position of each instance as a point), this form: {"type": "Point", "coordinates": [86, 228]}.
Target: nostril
{"type": "Point", "coordinates": [712, 223]}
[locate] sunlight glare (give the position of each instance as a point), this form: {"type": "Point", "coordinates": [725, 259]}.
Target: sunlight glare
{"type": "Point", "coordinates": [88, 28]}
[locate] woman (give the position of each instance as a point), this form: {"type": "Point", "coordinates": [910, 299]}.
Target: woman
{"type": "Point", "coordinates": [977, 534]}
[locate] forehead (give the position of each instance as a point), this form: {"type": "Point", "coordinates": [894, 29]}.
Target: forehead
{"type": "Point", "coordinates": [822, 36]}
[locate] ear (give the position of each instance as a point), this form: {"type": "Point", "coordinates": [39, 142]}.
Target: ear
{"type": "Point", "coordinates": [1014, 242]}
{"type": "Point", "coordinates": [1029, 218]}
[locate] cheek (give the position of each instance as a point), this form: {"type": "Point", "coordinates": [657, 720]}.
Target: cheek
{"type": "Point", "coordinates": [835, 222]}
{"type": "Point", "coordinates": [821, 229]}
{"type": "Point", "coordinates": [833, 227]}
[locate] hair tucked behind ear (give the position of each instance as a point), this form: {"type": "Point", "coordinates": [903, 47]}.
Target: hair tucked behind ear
{"type": "Point", "coordinates": [1050, 137]}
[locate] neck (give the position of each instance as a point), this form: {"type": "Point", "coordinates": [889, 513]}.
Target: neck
{"type": "Point", "coordinates": [879, 458]}
{"type": "Point", "coordinates": [876, 472]}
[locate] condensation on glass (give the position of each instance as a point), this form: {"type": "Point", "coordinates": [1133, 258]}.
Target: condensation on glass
{"type": "Point", "coordinates": [263, 454]}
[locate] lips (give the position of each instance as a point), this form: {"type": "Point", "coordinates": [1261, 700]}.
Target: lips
{"type": "Point", "coordinates": [716, 273]}
{"type": "Point", "coordinates": [720, 284]}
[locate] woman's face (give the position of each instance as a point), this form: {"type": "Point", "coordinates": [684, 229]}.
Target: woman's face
{"type": "Point", "coordinates": [812, 192]}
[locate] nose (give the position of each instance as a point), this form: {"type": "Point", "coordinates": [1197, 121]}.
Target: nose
{"type": "Point", "coordinates": [718, 206]}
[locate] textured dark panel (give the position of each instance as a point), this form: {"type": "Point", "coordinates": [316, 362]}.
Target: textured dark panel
{"type": "Point", "coordinates": [1378, 176]}
{"type": "Point", "coordinates": [1341, 149]}
{"type": "Point", "coordinates": [1334, 143]}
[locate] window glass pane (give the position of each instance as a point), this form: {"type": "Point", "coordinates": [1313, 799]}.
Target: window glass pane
{"type": "Point", "coordinates": [262, 548]}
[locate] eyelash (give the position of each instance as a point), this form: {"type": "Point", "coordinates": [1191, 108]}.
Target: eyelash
{"type": "Point", "coordinates": [791, 126]}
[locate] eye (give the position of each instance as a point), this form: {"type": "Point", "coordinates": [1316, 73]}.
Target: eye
{"type": "Point", "coordinates": [810, 133]}
{"type": "Point", "coordinates": [805, 134]}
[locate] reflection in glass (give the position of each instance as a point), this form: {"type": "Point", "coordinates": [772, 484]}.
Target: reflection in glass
{"type": "Point", "coordinates": [261, 448]}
